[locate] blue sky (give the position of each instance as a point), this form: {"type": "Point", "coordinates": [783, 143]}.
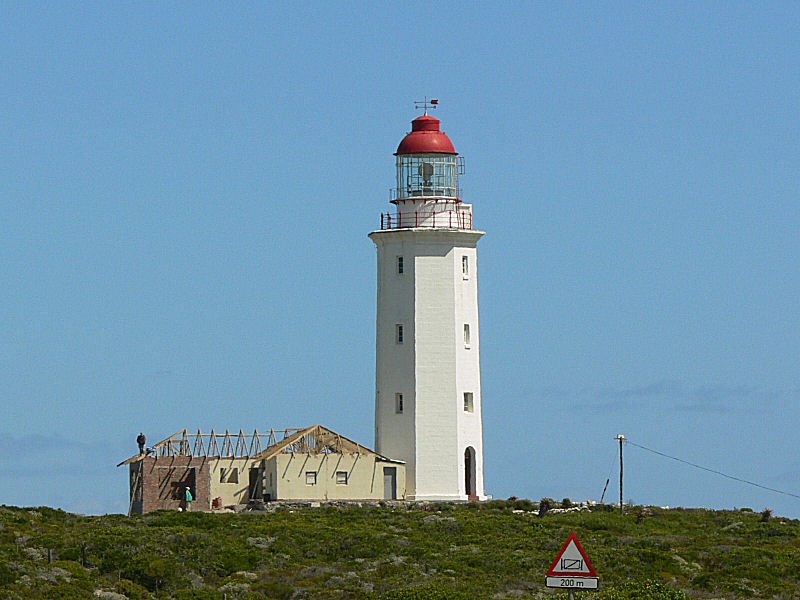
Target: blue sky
{"type": "Point", "coordinates": [186, 192]}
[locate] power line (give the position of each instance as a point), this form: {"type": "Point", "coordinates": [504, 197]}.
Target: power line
{"type": "Point", "coordinates": [691, 464]}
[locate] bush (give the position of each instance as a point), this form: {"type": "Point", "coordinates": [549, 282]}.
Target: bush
{"type": "Point", "coordinates": [523, 504]}
{"type": "Point", "coordinates": [233, 558]}
{"type": "Point", "coordinates": [427, 592]}
{"type": "Point", "coordinates": [545, 504]}
{"type": "Point", "coordinates": [6, 574]}
{"type": "Point", "coordinates": [603, 508]}
{"type": "Point", "coordinates": [152, 571]}
{"type": "Point", "coordinates": [641, 590]}
{"type": "Point", "coordinates": [273, 589]}
{"type": "Point", "coordinates": [132, 590]}
{"type": "Point", "coordinates": [495, 504]}
{"type": "Point", "coordinates": [411, 552]}
{"type": "Point", "coordinates": [199, 595]}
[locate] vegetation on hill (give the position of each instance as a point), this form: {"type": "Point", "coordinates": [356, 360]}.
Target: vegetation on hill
{"type": "Point", "coordinates": [498, 549]}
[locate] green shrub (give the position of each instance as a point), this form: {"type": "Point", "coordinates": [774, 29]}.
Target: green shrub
{"type": "Point", "coordinates": [153, 571]}
{"type": "Point", "coordinates": [413, 551]}
{"type": "Point", "coordinates": [6, 574]}
{"type": "Point", "coordinates": [233, 558]}
{"type": "Point", "coordinates": [641, 590]}
{"type": "Point", "coordinates": [132, 590]}
{"type": "Point", "coordinates": [198, 595]}
{"type": "Point", "coordinates": [271, 588]}
{"type": "Point", "coordinates": [545, 504]}
{"type": "Point", "coordinates": [427, 592]}
{"type": "Point", "coordinates": [524, 504]}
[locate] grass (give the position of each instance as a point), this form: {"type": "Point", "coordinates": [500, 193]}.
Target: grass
{"type": "Point", "coordinates": [491, 550]}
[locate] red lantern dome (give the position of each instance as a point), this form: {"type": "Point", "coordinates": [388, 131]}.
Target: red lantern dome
{"type": "Point", "coordinates": [426, 138]}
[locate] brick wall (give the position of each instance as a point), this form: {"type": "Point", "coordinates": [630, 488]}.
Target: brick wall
{"type": "Point", "coordinates": [164, 480]}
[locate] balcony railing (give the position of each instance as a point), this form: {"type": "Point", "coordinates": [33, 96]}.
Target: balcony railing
{"type": "Point", "coordinates": [447, 219]}
{"type": "Point", "coordinates": [409, 193]}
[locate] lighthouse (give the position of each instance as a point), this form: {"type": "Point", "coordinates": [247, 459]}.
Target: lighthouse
{"type": "Point", "coordinates": [428, 401]}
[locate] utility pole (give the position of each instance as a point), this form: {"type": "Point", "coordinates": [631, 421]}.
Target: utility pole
{"type": "Point", "coordinates": [621, 439]}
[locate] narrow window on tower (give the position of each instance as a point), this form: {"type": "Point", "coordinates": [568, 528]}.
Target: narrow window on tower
{"type": "Point", "coordinates": [466, 335]}
{"type": "Point", "coordinates": [311, 478]}
{"type": "Point", "coordinates": [469, 405]}
{"type": "Point", "coordinates": [399, 265]}
{"type": "Point", "coordinates": [465, 266]}
{"type": "Point", "coordinates": [398, 333]}
{"type": "Point", "coordinates": [341, 477]}
{"type": "Point", "coordinates": [398, 403]}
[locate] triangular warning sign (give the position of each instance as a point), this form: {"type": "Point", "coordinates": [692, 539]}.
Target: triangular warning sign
{"type": "Point", "coordinates": [572, 560]}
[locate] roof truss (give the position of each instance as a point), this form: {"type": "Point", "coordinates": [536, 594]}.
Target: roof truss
{"type": "Point", "coordinates": [310, 440]}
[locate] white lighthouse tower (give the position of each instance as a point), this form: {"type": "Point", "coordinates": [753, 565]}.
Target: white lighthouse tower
{"type": "Point", "coordinates": [428, 378]}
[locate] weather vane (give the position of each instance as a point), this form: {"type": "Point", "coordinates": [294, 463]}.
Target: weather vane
{"type": "Point", "coordinates": [426, 104]}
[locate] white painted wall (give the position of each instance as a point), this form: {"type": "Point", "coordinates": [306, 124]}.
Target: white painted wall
{"type": "Point", "coordinates": [434, 212]}
{"type": "Point", "coordinates": [468, 364]}
{"type": "Point", "coordinates": [284, 477]}
{"type": "Point", "coordinates": [432, 368]}
{"type": "Point", "coordinates": [364, 476]}
{"type": "Point", "coordinates": [229, 491]}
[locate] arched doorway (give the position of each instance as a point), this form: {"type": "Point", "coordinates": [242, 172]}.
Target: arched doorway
{"type": "Point", "coordinates": [469, 473]}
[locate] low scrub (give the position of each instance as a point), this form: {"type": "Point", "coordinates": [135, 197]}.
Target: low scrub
{"type": "Point", "coordinates": [498, 549]}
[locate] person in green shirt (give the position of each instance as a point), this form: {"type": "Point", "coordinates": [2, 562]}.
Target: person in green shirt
{"type": "Point", "coordinates": [189, 499]}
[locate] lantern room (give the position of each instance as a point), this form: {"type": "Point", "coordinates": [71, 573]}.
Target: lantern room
{"type": "Point", "coordinates": [428, 165]}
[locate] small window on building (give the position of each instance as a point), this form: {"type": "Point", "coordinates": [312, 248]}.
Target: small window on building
{"type": "Point", "coordinates": [341, 477]}
{"type": "Point", "coordinates": [465, 266]}
{"type": "Point", "coordinates": [466, 335]}
{"type": "Point", "coordinates": [311, 478]}
{"type": "Point", "coordinates": [398, 333]}
{"type": "Point", "coordinates": [229, 475]}
{"type": "Point", "coordinates": [399, 265]}
{"type": "Point", "coordinates": [398, 403]}
{"type": "Point", "coordinates": [469, 404]}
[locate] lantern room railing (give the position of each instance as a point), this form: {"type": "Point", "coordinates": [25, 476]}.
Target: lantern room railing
{"type": "Point", "coordinates": [409, 193]}
{"type": "Point", "coordinates": [448, 219]}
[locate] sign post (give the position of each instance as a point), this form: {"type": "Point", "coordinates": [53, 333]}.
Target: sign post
{"type": "Point", "coordinates": [572, 570]}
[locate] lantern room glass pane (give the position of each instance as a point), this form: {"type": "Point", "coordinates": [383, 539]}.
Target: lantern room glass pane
{"type": "Point", "coordinates": [420, 175]}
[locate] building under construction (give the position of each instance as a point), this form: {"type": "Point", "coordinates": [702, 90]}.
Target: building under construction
{"type": "Point", "coordinates": [236, 469]}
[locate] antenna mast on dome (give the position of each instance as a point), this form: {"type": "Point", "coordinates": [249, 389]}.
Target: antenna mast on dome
{"type": "Point", "coordinates": [426, 104]}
